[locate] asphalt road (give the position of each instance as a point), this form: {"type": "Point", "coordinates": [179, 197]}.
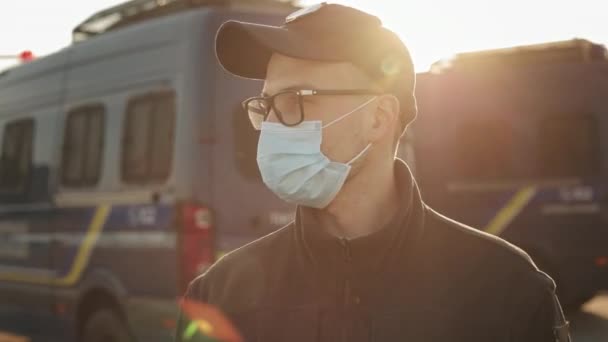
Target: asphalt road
{"type": "Point", "coordinates": [591, 323]}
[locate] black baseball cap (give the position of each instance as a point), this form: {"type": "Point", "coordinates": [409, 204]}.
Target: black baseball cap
{"type": "Point", "coordinates": [323, 32]}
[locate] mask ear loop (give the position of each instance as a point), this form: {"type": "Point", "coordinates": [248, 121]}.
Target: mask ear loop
{"type": "Point", "coordinates": [349, 113]}
{"type": "Point", "coordinates": [360, 154]}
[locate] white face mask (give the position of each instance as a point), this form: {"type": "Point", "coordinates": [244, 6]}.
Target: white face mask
{"type": "Point", "coordinates": [293, 166]}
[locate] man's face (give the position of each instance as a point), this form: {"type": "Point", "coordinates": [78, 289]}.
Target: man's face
{"type": "Point", "coordinates": [346, 138]}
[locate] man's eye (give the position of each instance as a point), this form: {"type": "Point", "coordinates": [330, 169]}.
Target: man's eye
{"type": "Point", "coordinates": [286, 101]}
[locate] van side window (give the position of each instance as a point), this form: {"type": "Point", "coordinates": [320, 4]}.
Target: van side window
{"type": "Point", "coordinates": [148, 138]}
{"type": "Point", "coordinates": [83, 146]}
{"type": "Point", "coordinates": [568, 147]}
{"type": "Point", "coordinates": [483, 150]}
{"type": "Point", "coordinates": [16, 158]}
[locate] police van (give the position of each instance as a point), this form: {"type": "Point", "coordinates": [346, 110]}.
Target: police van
{"type": "Point", "coordinates": [127, 166]}
{"type": "Point", "coordinates": [513, 141]}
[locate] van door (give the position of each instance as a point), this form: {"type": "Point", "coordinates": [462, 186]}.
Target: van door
{"type": "Point", "coordinates": [25, 235]}
{"type": "Point", "coordinates": [243, 204]}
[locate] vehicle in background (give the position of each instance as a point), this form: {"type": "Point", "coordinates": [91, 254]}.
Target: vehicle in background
{"type": "Point", "coordinates": [513, 141]}
{"type": "Point", "coordinates": [127, 166]}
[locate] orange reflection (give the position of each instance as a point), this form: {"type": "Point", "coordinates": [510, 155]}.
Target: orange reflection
{"type": "Point", "coordinates": [208, 323]}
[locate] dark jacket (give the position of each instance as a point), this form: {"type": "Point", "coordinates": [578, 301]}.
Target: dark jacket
{"type": "Point", "coordinates": [424, 277]}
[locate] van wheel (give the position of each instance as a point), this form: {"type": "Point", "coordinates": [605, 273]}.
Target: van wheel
{"type": "Point", "coordinates": [105, 326]}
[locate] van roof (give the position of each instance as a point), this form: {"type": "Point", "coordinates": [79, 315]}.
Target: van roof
{"type": "Point", "coordinates": [569, 51]}
{"type": "Point", "coordinates": [59, 59]}
{"type": "Point", "coordinates": [135, 11]}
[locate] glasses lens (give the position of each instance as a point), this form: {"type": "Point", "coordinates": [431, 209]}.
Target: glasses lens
{"type": "Point", "coordinates": [257, 109]}
{"type": "Point", "coordinates": [288, 106]}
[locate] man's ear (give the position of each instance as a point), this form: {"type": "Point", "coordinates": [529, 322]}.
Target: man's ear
{"type": "Point", "coordinates": [385, 118]}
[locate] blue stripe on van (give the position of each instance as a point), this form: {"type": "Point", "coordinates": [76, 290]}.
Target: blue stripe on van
{"type": "Point", "coordinates": [76, 235]}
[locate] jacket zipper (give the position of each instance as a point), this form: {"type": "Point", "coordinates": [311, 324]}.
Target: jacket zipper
{"type": "Point", "coordinates": [346, 287]}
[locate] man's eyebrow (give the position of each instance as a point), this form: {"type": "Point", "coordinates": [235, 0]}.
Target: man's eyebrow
{"type": "Point", "coordinates": [298, 86]}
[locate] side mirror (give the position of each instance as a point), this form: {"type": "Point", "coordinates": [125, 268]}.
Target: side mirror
{"type": "Point", "coordinates": [38, 187]}
{"type": "Point", "coordinates": [34, 188]}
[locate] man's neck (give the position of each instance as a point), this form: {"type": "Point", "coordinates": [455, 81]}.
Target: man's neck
{"type": "Point", "coordinates": [368, 202]}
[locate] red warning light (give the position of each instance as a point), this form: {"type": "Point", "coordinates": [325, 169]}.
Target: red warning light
{"type": "Point", "coordinates": [26, 56]}
{"type": "Point", "coordinates": [601, 261]}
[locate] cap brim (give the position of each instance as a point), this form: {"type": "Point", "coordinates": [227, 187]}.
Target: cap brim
{"type": "Point", "coordinates": [244, 49]}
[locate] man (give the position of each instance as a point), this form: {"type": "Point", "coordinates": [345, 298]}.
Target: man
{"type": "Point", "coordinates": [365, 259]}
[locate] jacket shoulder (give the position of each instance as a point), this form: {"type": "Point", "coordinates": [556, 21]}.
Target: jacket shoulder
{"type": "Point", "coordinates": [481, 250]}
{"type": "Point", "coordinates": [476, 262]}
{"type": "Point", "coordinates": [241, 275]}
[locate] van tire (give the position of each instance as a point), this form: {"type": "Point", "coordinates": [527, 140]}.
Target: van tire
{"type": "Point", "coordinates": [105, 326]}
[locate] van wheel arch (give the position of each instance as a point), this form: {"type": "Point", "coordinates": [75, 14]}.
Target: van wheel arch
{"type": "Point", "coordinates": [97, 300]}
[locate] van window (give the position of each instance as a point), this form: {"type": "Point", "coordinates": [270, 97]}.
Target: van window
{"type": "Point", "coordinates": [148, 138]}
{"type": "Point", "coordinates": [16, 158]}
{"type": "Point", "coordinates": [568, 147]}
{"type": "Point", "coordinates": [83, 146]}
{"type": "Point", "coordinates": [483, 150]}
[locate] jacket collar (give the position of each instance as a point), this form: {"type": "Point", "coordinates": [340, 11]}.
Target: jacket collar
{"type": "Point", "coordinates": [367, 254]}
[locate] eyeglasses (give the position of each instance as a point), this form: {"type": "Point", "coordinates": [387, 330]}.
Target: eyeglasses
{"type": "Point", "coordinates": [288, 105]}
